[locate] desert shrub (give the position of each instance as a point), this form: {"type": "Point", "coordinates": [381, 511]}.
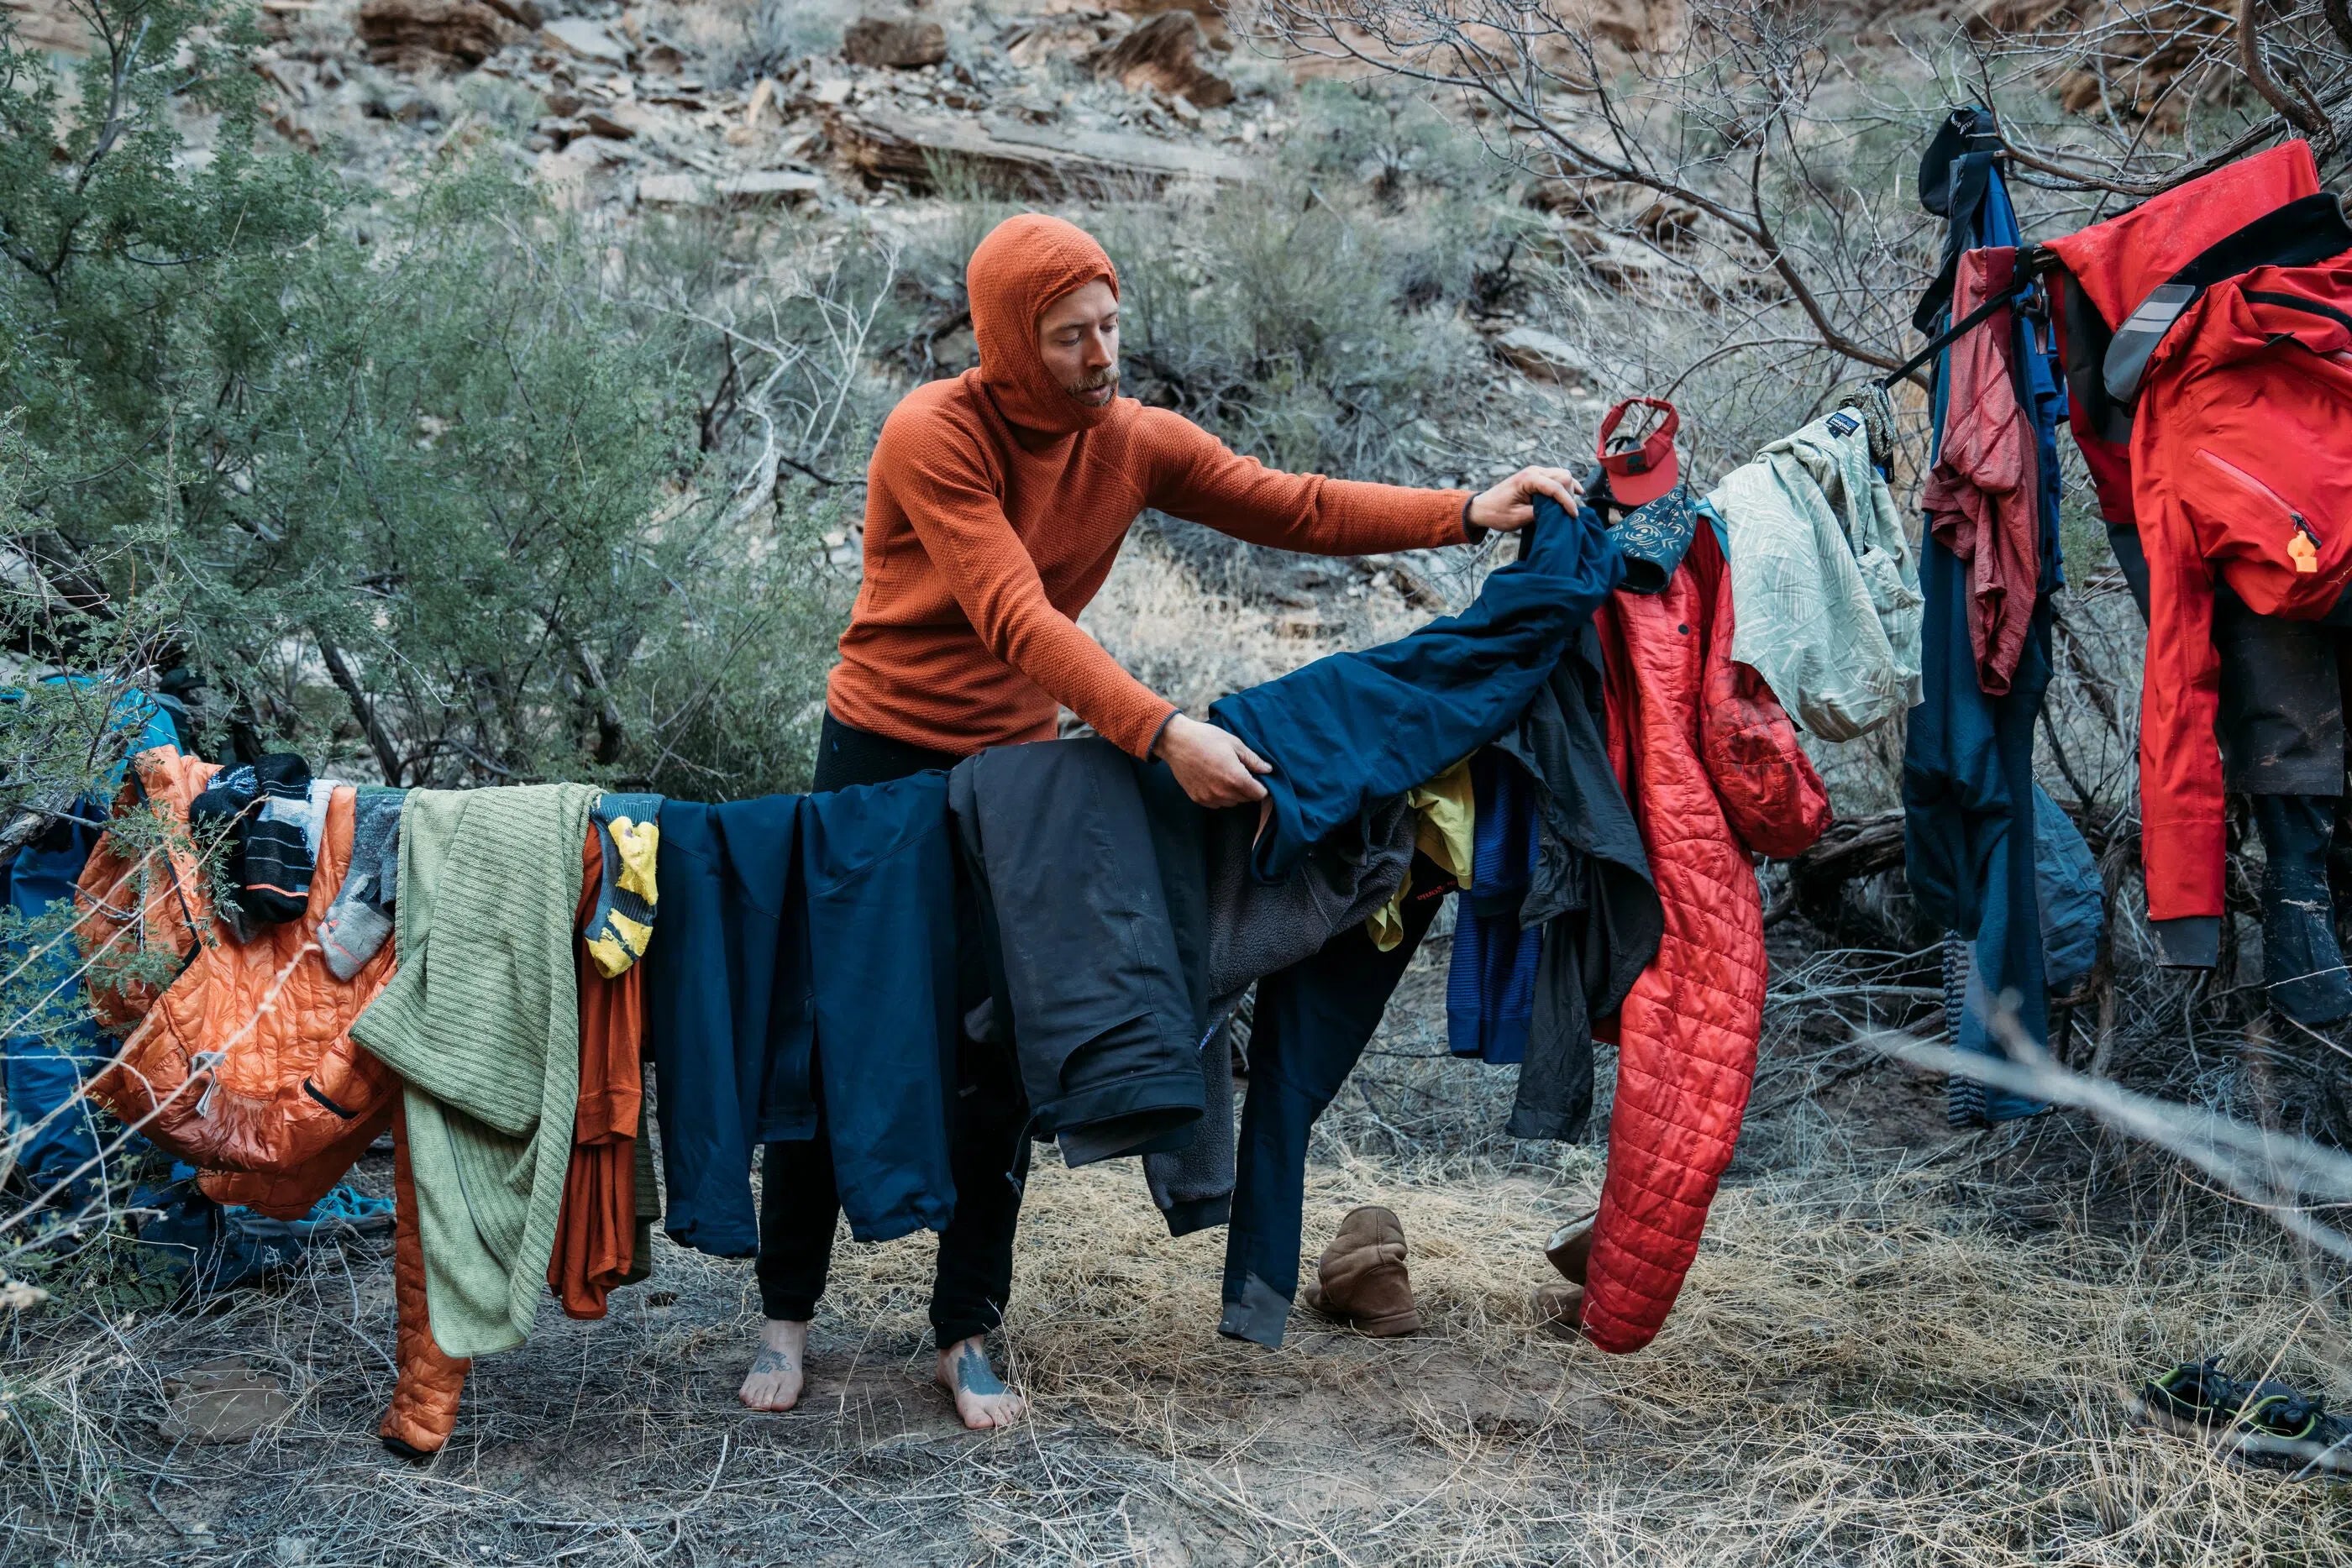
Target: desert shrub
{"type": "Point", "coordinates": [1311, 317]}
{"type": "Point", "coordinates": [422, 487]}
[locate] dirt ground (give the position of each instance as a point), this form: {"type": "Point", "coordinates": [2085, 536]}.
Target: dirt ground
{"type": "Point", "coordinates": [1898, 1346]}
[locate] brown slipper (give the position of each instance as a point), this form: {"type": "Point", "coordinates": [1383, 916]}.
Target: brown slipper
{"type": "Point", "coordinates": [1362, 1278]}
{"type": "Point", "coordinates": [1571, 1249]}
{"type": "Point", "coordinates": [1558, 1310]}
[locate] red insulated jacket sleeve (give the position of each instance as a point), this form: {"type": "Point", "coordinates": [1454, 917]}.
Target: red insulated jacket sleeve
{"type": "Point", "coordinates": [1773, 796]}
{"type": "Point", "coordinates": [2181, 839]}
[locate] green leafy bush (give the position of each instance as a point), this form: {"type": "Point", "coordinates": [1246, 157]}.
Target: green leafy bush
{"type": "Point", "coordinates": [424, 486]}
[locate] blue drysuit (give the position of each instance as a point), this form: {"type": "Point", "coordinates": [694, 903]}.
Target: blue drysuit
{"type": "Point", "coordinates": [50, 1044]}
{"type": "Point", "coordinates": [1490, 982]}
{"type": "Point", "coordinates": [1967, 761]}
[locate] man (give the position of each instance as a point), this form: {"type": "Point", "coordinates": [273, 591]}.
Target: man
{"type": "Point", "coordinates": [996, 503]}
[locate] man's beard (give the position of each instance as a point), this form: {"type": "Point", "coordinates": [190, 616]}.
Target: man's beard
{"type": "Point", "coordinates": [1105, 377]}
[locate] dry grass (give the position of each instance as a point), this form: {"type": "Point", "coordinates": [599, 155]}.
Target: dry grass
{"type": "Point", "coordinates": [1896, 1348]}
{"type": "Point", "coordinates": [1195, 641]}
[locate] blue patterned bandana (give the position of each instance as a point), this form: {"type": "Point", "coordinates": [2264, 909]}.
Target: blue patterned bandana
{"type": "Point", "coordinates": [1652, 538]}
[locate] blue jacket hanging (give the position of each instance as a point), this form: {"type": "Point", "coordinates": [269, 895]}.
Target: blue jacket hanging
{"type": "Point", "coordinates": [1967, 763]}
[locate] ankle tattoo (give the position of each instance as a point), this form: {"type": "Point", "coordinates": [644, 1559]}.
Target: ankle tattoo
{"type": "Point", "coordinates": [973, 1374]}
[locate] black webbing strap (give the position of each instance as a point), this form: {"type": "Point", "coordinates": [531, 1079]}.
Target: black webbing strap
{"type": "Point", "coordinates": [2032, 262]}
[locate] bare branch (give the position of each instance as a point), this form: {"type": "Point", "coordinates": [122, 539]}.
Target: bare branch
{"type": "Point", "coordinates": [2303, 115]}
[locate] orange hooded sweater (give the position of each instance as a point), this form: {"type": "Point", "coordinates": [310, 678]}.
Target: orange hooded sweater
{"type": "Point", "coordinates": [996, 503]}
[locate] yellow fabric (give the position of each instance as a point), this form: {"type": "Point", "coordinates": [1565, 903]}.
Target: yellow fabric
{"type": "Point", "coordinates": [1448, 813]}
{"type": "Point", "coordinates": [619, 940]}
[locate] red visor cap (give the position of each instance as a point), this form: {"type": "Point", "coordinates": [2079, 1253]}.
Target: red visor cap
{"type": "Point", "coordinates": [1650, 470]}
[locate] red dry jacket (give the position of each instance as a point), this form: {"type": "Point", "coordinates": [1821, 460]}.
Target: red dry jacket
{"type": "Point", "coordinates": [2241, 466]}
{"type": "Point", "coordinates": [2113, 266]}
{"type": "Point", "coordinates": [2234, 464]}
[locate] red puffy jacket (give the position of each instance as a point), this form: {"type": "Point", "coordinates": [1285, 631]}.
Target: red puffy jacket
{"type": "Point", "coordinates": [1712, 768]}
{"type": "Point", "coordinates": [2239, 465]}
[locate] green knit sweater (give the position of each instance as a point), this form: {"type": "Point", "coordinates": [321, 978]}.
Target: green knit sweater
{"type": "Point", "coordinates": [482, 1021]}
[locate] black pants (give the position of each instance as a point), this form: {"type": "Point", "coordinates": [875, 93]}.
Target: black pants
{"type": "Point", "coordinates": [988, 1151]}
{"type": "Point", "coordinates": [1307, 1030]}
{"type": "Point", "coordinates": [2281, 731]}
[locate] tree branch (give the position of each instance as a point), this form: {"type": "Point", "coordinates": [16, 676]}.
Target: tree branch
{"type": "Point", "coordinates": [2298, 113]}
{"type": "Point", "coordinates": [380, 741]}
{"type": "Point", "coordinates": [611, 733]}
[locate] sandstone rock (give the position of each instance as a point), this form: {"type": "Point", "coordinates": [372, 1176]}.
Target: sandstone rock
{"type": "Point", "coordinates": [1541, 355]}
{"type": "Point", "coordinates": [761, 188]}
{"type": "Point", "coordinates": [224, 1401]}
{"type": "Point", "coordinates": [2006, 18]}
{"type": "Point", "coordinates": [1211, 13]}
{"type": "Point", "coordinates": [1045, 159]}
{"type": "Point", "coordinates": [48, 25]}
{"type": "Point", "coordinates": [1572, 198]}
{"type": "Point", "coordinates": [761, 96]}
{"type": "Point", "coordinates": [1056, 37]}
{"type": "Point", "coordinates": [425, 34]}
{"type": "Point", "coordinates": [521, 13]}
{"type": "Point", "coordinates": [586, 40]}
{"type": "Point", "coordinates": [1671, 225]}
{"type": "Point", "coordinates": [1162, 53]}
{"type": "Point", "coordinates": [2153, 62]}
{"type": "Point", "coordinates": [898, 43]}
{"type": "Point", "coordinates": [619, 120]}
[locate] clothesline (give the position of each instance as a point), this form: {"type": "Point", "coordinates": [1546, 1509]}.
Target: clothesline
{"type": "Point", "coordinates": [2032, 261]}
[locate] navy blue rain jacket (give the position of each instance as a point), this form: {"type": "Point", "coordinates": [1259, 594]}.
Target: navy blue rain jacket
{"type": "Point", "coordinates": [1355, 728]}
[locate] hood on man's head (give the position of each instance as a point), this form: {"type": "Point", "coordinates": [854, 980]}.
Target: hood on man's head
{"type": "Point", "coordinates": [1024, 266]}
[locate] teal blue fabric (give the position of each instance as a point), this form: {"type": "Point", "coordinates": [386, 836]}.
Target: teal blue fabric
{"type": "Point", "coordinates": [1490, 979]}
{"type": "Point", "coordinates": [1654, 539]}
{"type": "Point", "coordinates": [53, 1046]}
{"type": "Point", "coordinates": [1972, 848]}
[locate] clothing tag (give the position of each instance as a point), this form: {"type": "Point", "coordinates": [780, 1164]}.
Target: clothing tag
{"type": "Point", "coordinates": [1843, 424]}
{"type": "Point", "coordinates": [2135, 340]}
{"type": "Point", "coordinates": [2305, 555]}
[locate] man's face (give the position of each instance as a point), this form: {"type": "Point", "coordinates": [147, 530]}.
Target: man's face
{"type": "Point", "coordinates": [1078, 339]}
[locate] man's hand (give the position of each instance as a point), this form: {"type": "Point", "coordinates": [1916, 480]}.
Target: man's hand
{"type": "Point", "coordinates": [1213, 765]}
{"type": "Point", "coordinates": [1511, 505]}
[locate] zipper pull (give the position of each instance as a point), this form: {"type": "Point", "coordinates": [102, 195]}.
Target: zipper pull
{"type": "Point", "coordinates": [2303, 549]}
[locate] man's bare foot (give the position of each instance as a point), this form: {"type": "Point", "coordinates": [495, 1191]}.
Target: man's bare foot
{"type": "Point", "coordinates": [980, 1397]}
{"type": "Point", "coordinates": [774, 1381]}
